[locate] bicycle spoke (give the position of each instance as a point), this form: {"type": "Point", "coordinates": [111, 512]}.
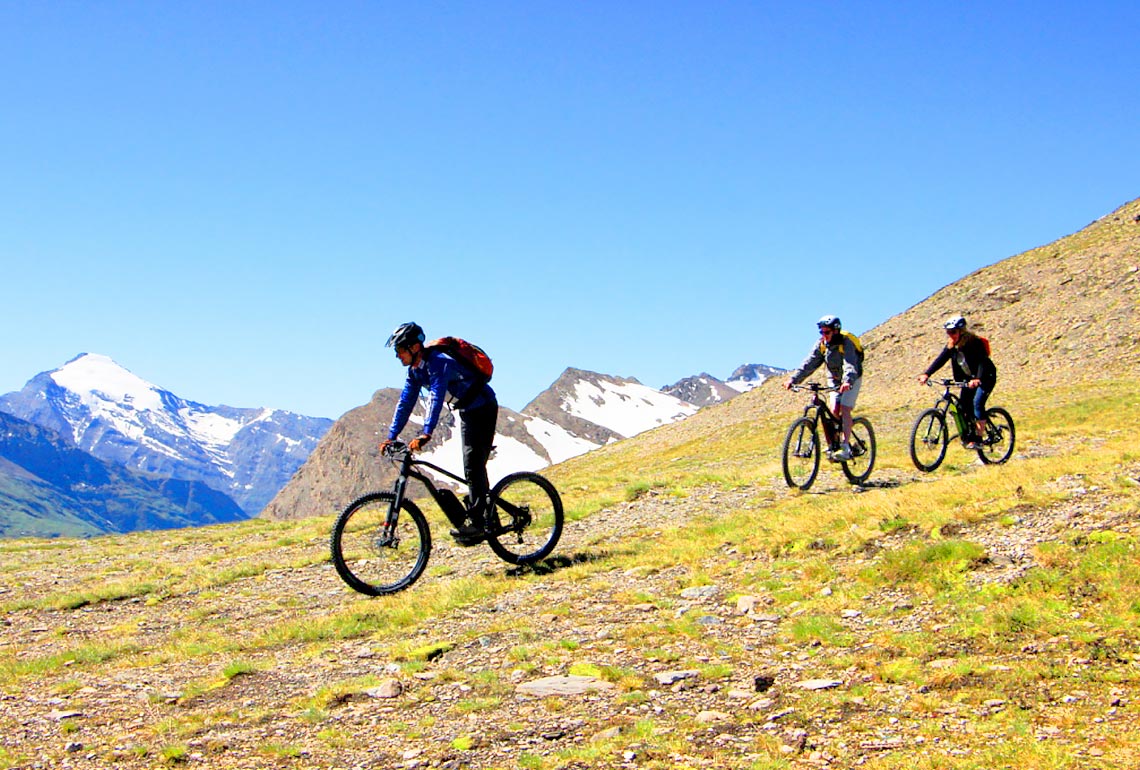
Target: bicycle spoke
{"type": "Point", "coordinates": [527, 519]}
{"type": "Point", "coordinates": [928, 440]}
{"type": "Point", "coordinates": [997, 445]}
{"type": "Point", "coordinates": [372, 557]}
{"type": "Point", "coordinates": [858, 468]}
{"type": "Point", "coordinates": [801, 454]}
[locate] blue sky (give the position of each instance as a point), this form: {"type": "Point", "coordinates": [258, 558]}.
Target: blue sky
{"type": "Point", "coordinates": [237, 201]}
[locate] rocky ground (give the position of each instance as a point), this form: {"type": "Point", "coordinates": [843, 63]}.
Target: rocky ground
{"type": "Point", "coordinates": [625, 668]}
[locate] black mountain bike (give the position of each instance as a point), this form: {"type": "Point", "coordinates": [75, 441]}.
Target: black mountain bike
{"type": "Point", "coordinates": [381, 542]}
{"type": "Point", "coordinates": [931, 435]}
{"type": "Point", "coordinates": [802, 446]}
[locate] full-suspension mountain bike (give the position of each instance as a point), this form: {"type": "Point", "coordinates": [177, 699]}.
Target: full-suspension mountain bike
{"type": "Point", "coordinates": [802, 448]}
{"type": "Point", "coordinates": [381, 542]}
{"type": "Point", "coordinates": [931, 432]}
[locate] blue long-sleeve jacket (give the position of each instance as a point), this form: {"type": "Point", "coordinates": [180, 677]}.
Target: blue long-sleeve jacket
{"type": "Point", "coordinates": [445, 379]}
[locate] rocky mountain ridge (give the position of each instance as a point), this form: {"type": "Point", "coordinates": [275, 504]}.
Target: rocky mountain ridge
{"type": "Point", "coordinates": [251, 454]}
{"type": "Point", "coordinates": [580, 411]}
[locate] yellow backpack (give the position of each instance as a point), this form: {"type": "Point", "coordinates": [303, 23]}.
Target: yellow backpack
{"type": "Point", "coordinates": [846, 336]}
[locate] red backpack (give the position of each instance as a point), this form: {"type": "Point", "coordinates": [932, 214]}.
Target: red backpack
{"type": "Point", "coordinates": [466, 353]}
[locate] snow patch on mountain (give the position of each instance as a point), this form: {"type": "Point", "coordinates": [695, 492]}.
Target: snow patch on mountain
{"type": "Point", "coordinates": [97, 380]}
{"type": "Point", "coordinates": [626, 407]}
{"type": "Point", "coordinates": [749, 376]}
{"type": "Point", "coordinates": [559, 443]}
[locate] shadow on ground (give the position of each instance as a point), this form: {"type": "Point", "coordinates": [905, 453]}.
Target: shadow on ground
{"type": "Point", "coordinates": [555, 563]}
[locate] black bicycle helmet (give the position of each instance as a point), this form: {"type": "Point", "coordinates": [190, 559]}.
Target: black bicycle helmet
{"type": "Point", "coordinates": [405, 335]}
{"type": "Point", "coordinates": [954, 322]}
{"type": "Point", "coordinates": [829, 320]}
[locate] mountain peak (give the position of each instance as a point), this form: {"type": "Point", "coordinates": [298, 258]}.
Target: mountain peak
{"type": "Point", "coordinates": [118, 417]}
{"type": "Point", "coordinates": [90, 375]}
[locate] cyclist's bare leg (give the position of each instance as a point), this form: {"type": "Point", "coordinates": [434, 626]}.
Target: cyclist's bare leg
{"type": "Point", "coordinates": [847, 419]}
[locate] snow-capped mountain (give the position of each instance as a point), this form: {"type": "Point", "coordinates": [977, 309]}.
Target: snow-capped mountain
{"type": "Point", "coordinates": [701, 390]}
{"type": "Point", "coordinates": [750, 376]}
{"type": "Point", "coordinates": [580, 411]}
{"type": "Point", "coordinates": [119, 417]}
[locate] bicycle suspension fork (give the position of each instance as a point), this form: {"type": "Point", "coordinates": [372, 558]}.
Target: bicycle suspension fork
{"type": "Point", "coordinates": [398, 490]}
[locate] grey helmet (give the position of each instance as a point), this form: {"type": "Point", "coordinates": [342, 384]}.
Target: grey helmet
{"type": "Point", "coordinates": [829, 320]}
{"type": "Point", "coordinates": [954, 322]}
{"type": "Point", "coordinates": [405, 335]}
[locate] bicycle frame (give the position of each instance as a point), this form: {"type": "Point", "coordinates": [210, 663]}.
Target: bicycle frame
{"type": "Point", "coordinates": [820, 413]}
{"type": "Point", "coordinates": [409, 469]}
{"type": "Point", "coordinates": [950, 402]}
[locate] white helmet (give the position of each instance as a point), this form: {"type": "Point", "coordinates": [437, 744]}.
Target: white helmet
{"type": "Point", "coordinates": [954, 322]}
{"type": "Point", "coordinates": [829, 320]}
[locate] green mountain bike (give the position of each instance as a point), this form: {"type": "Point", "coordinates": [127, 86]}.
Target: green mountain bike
{"type": "Point", "coordinates": [931, 433]}
{"type": "Point", "coordinates": [381, 542]}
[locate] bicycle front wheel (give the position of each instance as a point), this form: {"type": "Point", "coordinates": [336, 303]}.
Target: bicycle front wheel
{"type": "Point", "coordinates": [372, 557]}
{"type": "Point", "coordinates": [858, 468]}
{"type": "Point", "coordinates": [997, 446]}
{"type": "Point", "coordinates": [801, 454]}
{"type": "Point", "coordinates": [928, 440]}
{"type": "Point", "coordinates": [526, 518]}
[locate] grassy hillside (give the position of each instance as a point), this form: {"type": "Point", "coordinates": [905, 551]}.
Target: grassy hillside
{"type": "Point", "coordinates": [976, 617]}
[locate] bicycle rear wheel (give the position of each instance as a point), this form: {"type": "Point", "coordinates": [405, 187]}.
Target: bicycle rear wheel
{"type": "Point", "coordinates": [997, 445]}
{"type": "Point", "coordinates": [525, 520]}
{"type": "Point", "coordinates": [928, 440]}
{"type": "Point", "coordinates": [370, 557]}
{"type": "Point", "coordinates": [801, 454]}
{"type": "Point", "coordinates": [858, 468]}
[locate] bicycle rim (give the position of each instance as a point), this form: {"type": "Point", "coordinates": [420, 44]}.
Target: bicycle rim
{"type": "Point", "coordinates": [997, 446]}
{"type": "Point", "coordinates": [801, 454]}
{"type": "Point", "coordinates": [859, 467]}
{"type": "Point", "coordinates": [372, 559]}
{"type": "Point", "coordinates": [526, 518]}
{"type": "Point", "coordinates": [928, 440]}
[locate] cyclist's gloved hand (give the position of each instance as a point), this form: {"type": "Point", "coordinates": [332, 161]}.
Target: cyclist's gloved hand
{"type": "Point", "coordinates": [418, 442]}
{"type": "Point", "coordinates": [788, 385]}
{"type": "Point", "coordinates": [922, 378]}
{"type": "Point", "coordinates": [384, 445]}
{"type": "Point", "coordinates": [975, 383]}
{"type": "Point", "coordinates": [844, 387]}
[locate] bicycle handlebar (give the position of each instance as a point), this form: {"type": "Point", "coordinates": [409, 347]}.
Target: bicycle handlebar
{"type": "Point", "coordinates": [947, 383]}
{"type": "Point", "coordinates": [814, 387]}
{"type": "Point", "coordinates": [396, 449]}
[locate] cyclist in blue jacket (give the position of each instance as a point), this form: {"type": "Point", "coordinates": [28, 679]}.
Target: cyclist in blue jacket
{"type": "Point", "coordinates": [464, 390]}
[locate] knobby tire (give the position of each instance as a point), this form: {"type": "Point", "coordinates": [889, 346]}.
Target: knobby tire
{"type": "Point", "coordinates": [928, 440]}
{"type": "Point", "coordinates": [801, 454]}
{"type": "Point", "coordinates": [526, 518]}
{"type": "Point", "coordinates": [366, 558]}
{"type": "Point", "coordinates": [858, 468]}
{"type": "Point", "coordinates": [997, 447]}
